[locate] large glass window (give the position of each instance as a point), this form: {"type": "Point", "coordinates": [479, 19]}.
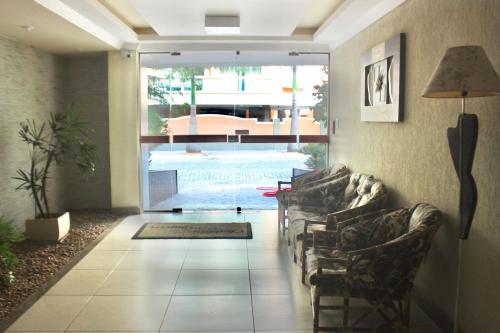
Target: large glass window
{"type": "Point", "coordinates": [219, 129]}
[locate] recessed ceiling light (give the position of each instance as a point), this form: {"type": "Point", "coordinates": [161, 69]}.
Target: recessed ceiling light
{"type": "Point", "coordinates": [222, 25]}
{"type": "Point", "coordinates": [28, 27]}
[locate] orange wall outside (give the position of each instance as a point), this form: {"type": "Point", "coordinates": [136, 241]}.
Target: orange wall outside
{"type": "Point", "coordinates": [220, 124]}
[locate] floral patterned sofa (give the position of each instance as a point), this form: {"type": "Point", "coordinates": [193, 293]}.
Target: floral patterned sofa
{"type": "Point", "coordinates": [307, 180]}
{"type": "Point", "coordinates": [320, 207]}
{"type": "Point", "coordinates": [375, 257]}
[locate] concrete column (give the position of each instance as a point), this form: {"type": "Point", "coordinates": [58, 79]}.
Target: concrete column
{"type": "Point", "coordinates": [124, 129]}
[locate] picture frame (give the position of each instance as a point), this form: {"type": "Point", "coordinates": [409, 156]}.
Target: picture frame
{"type": "Point", "coordinates": [382, 77]}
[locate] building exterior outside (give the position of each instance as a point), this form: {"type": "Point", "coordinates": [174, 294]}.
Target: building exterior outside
{"type": "Point", "coordinates": [259, 102]}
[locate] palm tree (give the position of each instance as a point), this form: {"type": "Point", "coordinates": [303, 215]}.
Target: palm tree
{"type": "Point", "coordinates": [294, 126]}
{"type": "Point", "coordinates": [157, 92]}
{"type": "Point", "coordinates": [241, 71]}
{"type": "Point", "coordinates": [189, 74]}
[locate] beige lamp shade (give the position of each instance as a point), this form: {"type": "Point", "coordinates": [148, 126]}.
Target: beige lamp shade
{"type": "Point", "coordinates": [464, 70]}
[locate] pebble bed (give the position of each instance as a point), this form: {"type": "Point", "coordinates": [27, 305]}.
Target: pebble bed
{"type": "Point", "coordinates": [40, 261]}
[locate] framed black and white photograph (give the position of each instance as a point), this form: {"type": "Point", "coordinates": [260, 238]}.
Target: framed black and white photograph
{"type": "Point", "coordinates": [383, 81]}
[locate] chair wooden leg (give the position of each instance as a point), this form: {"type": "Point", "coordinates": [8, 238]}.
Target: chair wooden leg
{"type": "Point", "coordinates": [283, 223]}
{"type": "Point", "coordinates": [281, 218]}
{"type": "Point", "coordinates": [315, 307]}
{"type": "Point", "coordinates": [406, 315]}
{"type": "Point", "coordinates": [304, 268]}
{"type": "Point", "coordinates": [280, 214]}
{"type": "Point", "coordinates": [345, 321]}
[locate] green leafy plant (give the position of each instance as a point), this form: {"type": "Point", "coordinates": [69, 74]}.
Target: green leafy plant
{"type": "Point", "coordinates": [157, 125]}
{"type": "Point", "coordinates": [8, 260]}
{"type": "Point", "coordinates": [64, 137]}
{"type": "Point", "coordinates": [159, 91]}
{"type": "Point", "coordinates": [321, 94]}
{"type": "Point", "coordinates": [317, 155]}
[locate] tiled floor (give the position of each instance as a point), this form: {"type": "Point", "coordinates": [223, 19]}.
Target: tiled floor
{"type": "Point", "coordinates": [183, 285]}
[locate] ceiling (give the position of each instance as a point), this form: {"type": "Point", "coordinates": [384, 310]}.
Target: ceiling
{"type": "Point", "coordinates": [70, 26]}
{"type": "Point", "coordinates": [257, 17]}
{"type": "Point", "coordinates": [124, 10]}
{"type": "Point", "coordinates": [187, 18]}
{"type": "Point", "coordinates": [50, 31]}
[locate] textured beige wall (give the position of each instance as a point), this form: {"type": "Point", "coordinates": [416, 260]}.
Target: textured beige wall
{"type": "Point", "coordinates": [85, 86]}
{"type": "Point", "coordinates": [123, 130]}
{"type": "Point", "coordinates": [34, 83]}
{"type": "Point", "coordinates": [29, 89]}
{"type": "Point", "coordinates": [412, 157]}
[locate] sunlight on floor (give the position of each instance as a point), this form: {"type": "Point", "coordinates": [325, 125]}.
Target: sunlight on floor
{"type": "Point", "coordinates": [213, 285]}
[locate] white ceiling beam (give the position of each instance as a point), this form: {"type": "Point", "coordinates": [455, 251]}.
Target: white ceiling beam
{"type": "Point", "coordinates": [95, 11]}
{"type": "Point", "coordinates": [231, 46]}
{"type": "Point", "coordinates": [63, 10]}
{"type": "Point", "coordinates": [352, 17]}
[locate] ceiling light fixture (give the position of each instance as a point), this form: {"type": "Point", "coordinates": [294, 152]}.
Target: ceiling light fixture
{"type": "Point", "coordinates": [222, 25]}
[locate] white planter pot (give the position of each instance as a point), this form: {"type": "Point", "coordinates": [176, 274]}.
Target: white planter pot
{"type": "Point", "coordinates": [48, 229]}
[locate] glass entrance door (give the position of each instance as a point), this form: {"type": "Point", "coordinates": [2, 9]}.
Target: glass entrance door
{"type": "Point", "coordinates": [218, 133]}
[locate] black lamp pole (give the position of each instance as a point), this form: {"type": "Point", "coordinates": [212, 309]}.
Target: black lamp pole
{"type": "Point", "coordinates": [462, 141]}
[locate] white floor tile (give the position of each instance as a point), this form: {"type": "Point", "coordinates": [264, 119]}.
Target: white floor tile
{"type": "Point", "coordinates": [217, 259]}
{"type": "Point", "coordinates": [266, 242]}
{"type": "Point", "coordinates": [139, 282]}
{"type": "Point", "coordinates": [218, 244]}
{"type": "Point", "coordinates": [50, 313]}
{"type": "Point", "coordinates": [79, 283]}
{"type": "Point", "coordinates": [268, 259]}
{"type": "Point", "coordinates": [213, 282]}
{"type": "Point", "coordinates": [281, 312]}
{"type": "Point", "coordinates": [151, 260]}
{"type": "Point", "coordinates": [276, 282]}
{"type": "Point", "coordinates": [209, 313]}
{"type": "Point", "coordinates": [102, 260]}
{"type": "Point", "coordinates": [160, 244]}
{"type": "Point", "coordinates": [121, 313]}
{"type": "Point", "coordinates": [114, 244]}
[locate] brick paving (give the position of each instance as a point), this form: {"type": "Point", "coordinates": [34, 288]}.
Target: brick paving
{"type": "Point", "coordinates": [225, 179]}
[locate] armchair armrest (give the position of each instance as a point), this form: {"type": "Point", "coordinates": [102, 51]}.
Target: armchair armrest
{"type": "Point", "coordinates": [340, 265]}
{"type": "Point", "coordinates": [283, 182]}
{"type": "Point", "coordinates": [304, 235]}
{"type": "Point", "coordinates": [401, 243]}
{"type": "Point", "coordinates": [324, 262]}
{"type": "Point", "coordinates": [325, 239]}
{"type": "Point", "coordinates": [334, 218]}
{"type": "Point", "coordinates": [368, 216]}
{"type": "Point", "coordinates": [307, 223]}
{"type": "Point", "coordinates": [292, 198]}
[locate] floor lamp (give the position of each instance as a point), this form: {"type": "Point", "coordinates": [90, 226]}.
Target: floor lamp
{"type": "Point", "coordinates": [463, 72]}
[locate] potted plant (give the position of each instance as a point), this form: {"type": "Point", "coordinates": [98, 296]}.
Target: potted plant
{"type": "Point", "coordinates": [63, 138]}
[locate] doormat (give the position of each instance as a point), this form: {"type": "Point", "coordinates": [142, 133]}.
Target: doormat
{"type": "Point", "coordinates": [194, 231]}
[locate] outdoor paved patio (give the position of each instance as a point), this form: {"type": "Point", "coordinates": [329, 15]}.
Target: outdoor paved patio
{"type": "Point", "coordinates": [214, 285]}
{"type": "Point", "coordinates": [226, 179]}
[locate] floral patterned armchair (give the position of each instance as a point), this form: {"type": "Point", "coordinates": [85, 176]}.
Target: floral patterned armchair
{"type": "Point", "coordinates": [307, 180]}
{"type": "Point", "coordinates": [377, 259]}
{"type": "Point", "coordinates": [322, 207]}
